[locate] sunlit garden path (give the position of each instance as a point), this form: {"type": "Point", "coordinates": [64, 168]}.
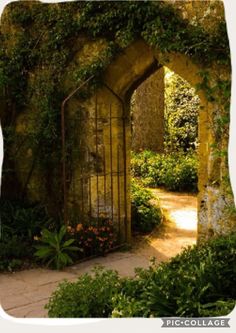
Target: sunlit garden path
{"type": "Point", "coordinates": [178, 230]}
{"type": "Point", "coordinates": [181, 208]}
{"type": "Point", "coordinates": [24, 294]}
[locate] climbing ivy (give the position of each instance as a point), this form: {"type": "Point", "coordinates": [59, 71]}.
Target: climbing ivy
{"type": "Point", "coordinates": [219, 92]}
{"type": "Point", "coordinates": [47, 33]}
{"type": "Point", "coordinates": [39, 45]}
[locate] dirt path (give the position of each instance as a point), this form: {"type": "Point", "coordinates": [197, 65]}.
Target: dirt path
{"type": "Point", "coordinates": [24, 294]}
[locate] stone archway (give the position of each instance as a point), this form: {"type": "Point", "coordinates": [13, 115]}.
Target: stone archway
{"type": "Point", "coordinates": [110, 197]}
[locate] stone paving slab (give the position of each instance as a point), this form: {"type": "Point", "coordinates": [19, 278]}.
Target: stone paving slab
{"type": "Point", "coordinates": [10, 285]}
{"type": "Point", "coordinates": [125, 266]}
{"type": "Point", "coordinates": [34, 310]}
{"type": "Point", "coordinates": [40, 276]}
{"type": "Point", "coordinates": [116, 260]}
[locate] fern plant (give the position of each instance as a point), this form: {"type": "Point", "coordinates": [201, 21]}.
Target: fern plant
{"type": "Point", "coordinates": [55, 250]}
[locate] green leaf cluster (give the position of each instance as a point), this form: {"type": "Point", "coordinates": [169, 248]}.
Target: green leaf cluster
{"type": "Point", "coordinates": [89, 297]}
{"type": "Point", "coordinates": [21, 223]}
{"type": "Point", "coordinates": [182, 107]}
{"type": "Point", "coordinates": [55, 250]}
{"type": "Point", "coordinates": [176, 171]}
{"type": "Point", "coordinates": [145, 215]}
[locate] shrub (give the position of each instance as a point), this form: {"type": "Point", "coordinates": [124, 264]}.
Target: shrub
{"type": "Point", "coordinates": [174, 171]}
{"type": "Point", "coordinates": [181, 114]}
{"type": "Point", "coordinates": [201, 281]}
{"type": "Point", "coordinates": [127, 302]}
{"type": "Point", "coordinates": [21, 223]}
{"type": "Point", "coordinates": [55, 249]}
{"type": "Point", "coordinates": [139, 162]}
{"type": "Point", "coordinates": [23, 219]}
{"type": "Point", "coordinates": [13, 251]}
{"type": "Point", "coordinates": [90, 296]}
{"type": "Point", "coordinates": [145, 216]}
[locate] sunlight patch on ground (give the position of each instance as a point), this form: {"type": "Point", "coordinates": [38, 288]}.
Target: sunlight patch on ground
{"type": "Point", "coordinates": [185, 219]}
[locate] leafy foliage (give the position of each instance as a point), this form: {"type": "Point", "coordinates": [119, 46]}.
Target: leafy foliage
{"type": "Point", "coordinates": [181, 114]}
{"type": "Point", "coordinates": [145, 215]}
{"type": "Point", "coordinates": [199, 282]}
{"type": "Point", "coordinates": [55, 250]}
{"type": "Point", "coordinates": [13, 253]}
{"type": "Point", "coordinates": [174, 171]}
{"type": "Point", "coordinates": [218, 91]}
{"type": "Point", "coordinates": [90, 296]}
{"type": "Point", "coordinates": [24, 220]}
{"type": "Point", "coordinates": [20, 225]}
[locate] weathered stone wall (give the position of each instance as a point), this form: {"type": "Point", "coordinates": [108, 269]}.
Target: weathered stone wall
{"type": "Point", "coordinates": [201, 12]}
{"type": "Point", "coordinates": [147, 106]}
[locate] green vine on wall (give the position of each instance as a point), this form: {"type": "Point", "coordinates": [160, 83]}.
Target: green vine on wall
{"type": "Point", "coordinates": [218, 91]}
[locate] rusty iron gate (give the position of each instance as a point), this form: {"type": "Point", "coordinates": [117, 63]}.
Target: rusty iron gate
{"type": "Point", "coordinates": [100, 186]}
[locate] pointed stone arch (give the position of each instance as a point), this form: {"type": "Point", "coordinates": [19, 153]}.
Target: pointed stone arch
{"type": "Point", "coordinates": [121, 77]}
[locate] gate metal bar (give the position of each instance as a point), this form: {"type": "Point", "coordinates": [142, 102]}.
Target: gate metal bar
{"type": "Point", "coordinates": [90, 197]}
{"type": "Point", "coordinates": [96, 144]}
{"type": "Point", "coordinates": [125, 171]}
{"type": "Point", "coordinates": [63, 148]}
{"type": "Point", "coordinates": [125, 155]}
{"type": "Point", "coordinates": [111, 166]}
{"type": "Point", "coordinates": [118, 187]}
{"type": "Point", "coordinates": [104, 174]}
